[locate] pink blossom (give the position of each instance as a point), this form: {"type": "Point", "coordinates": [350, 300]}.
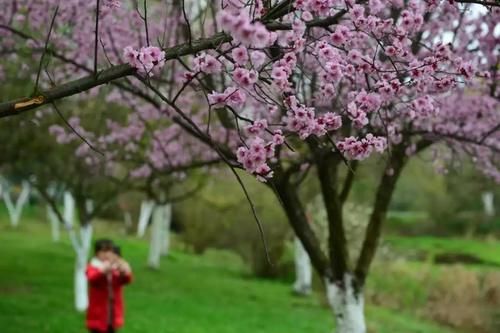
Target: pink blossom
{"type": "Point", "coordinates": [146, 59]}
{"type": "Point", "coordinates": [307, 16]}
{"type": "Point", "coordinates": [206, 63]}
{"type": "Point", "coordinates": [112, 3]}
{"type": "Point", "coordinates": [240, 55]}
{"type": "Point", "coordinates": [245, 77]}
{"type": "Point", "coordinates": [232, 96]}
{"type": "Point", "coordinates": [258, 58]}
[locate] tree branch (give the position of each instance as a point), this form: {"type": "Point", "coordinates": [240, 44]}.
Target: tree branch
{"type": "Point", "coordinates": [96, 35]}
{"type": "Point", "coordinates": [479, 2]}
{"type": "Point", "coordinates": [294, 210]}
{"type": "Point", "coordinates": [348, 182]}
{"type": "Point", "coordinates": [20, 105]}
{"type": "Point", "coordinates": [383, 196]}
{"type": "Point", "coordinates": [327, 166]}
{"type": "Point", "coordinates": [46, 47]}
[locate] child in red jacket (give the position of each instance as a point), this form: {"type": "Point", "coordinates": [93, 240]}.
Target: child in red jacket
{"type": "Point", "coordinates": [107, 273]}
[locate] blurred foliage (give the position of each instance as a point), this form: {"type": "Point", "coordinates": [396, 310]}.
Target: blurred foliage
{"type": "Point", "coordinates": [430, 202]}
{"type": "Point", "coordinates": [219, 216]}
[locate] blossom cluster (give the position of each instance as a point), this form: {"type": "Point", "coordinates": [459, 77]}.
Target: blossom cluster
{"type": "Point", "coordinates": [240, 26]}
{"type": "Point", "coordinates": [390, 67]}
{"type": "Point", "coordinates": [359, 149]}
{"type": "Point", "coordinates": [206, 63]}
{"type": "Point", "coordinates": [232, 97]}
{"type": "Point", "coordinates": [146, 59]}
{"type": "Point", "coordinates": [303, 121]}
{"type": "Point", "coordinates": [254, 157]}
{"type": "Point", "coordinates": [112, 3]}
{"type": "Point", "coordinates": [363, 104]}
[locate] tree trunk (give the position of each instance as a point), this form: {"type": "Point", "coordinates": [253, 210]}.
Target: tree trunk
{"type": "Point", "coordinates": [15, 210]}
{"type": "Point", "coordinates": [488, 203]}
{"type": "Point", "coordinates": [54, 224]}
{"type": "Point", "coordinates": [165, 246]}
{"type": "Point", "coordinates": [127, 221]}
{"type": "Point", "coordinates": [303, 272]}
{"type": "Point", "coordinates": [144, 216]}
{"type": "Point", "coordinates": [157, 235]}
{"type": "Point", "coordinates": [69, 208]}
{"type": "Point", "coordinates": [347, 304]}
{"type": "Point", "coordinates": [81, 245]}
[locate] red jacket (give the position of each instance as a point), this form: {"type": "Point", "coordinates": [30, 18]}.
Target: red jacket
{"type": "Point", "coordinates": [98, 317]}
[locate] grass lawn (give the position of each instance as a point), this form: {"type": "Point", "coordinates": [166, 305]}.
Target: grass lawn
{"type": "Point", "coordinates": [190, 294]}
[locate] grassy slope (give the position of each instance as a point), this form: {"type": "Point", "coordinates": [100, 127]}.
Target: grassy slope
{"type": "Point", "coordinates": [189, 294]}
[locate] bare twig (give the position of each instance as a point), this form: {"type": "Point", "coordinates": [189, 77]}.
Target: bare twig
{"type": "Point", "coordinates": [146, 21]}
{"type": "Point", "coordinates": [254, 212]}
{"type": "Point", "coordinates": [74, 130]}
{"type": "Point", "coordinates": [45, 49]}
{"type": "Point", "coordinates": [96, 41]}
{"type": "Point", "coordinates": [187, 21]}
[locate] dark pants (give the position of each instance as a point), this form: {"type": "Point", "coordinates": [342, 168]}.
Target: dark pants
{"type": "Point", "coordinates": [110, 330]}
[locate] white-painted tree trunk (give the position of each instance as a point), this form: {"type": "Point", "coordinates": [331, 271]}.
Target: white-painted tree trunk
{"type": "Point", "coordinates": [488, 203]}
{"type": "Point", "coordinates": [15, 209]}
{"type": "Point", "coordinates": [303, 270]}
{"type": "Point", "coordinates": [81, 245]}
{"type": "Point", "coordinates": [144, 216]}
{"type": "Point", "coordinates": [157, 236]}
{"type": "Point", "coordinates": [347, 306]}
{"type": "Point", "coordinates": [127, 220]}
{"type": "Point", "coordinates": [54, 222]}
{"type": "Point", "coordinates": [165, 246]}
{"type": "Point", "coordinates": [55, 225]}
{"type": "Point", "coordinates": [69, 208]}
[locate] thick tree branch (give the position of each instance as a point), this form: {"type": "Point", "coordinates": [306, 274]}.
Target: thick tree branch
{"type": "Point", "coordinates": [20, 105]}
{"type": "Point", "coordinates": [327, 166]}
{"type": "Point", "coordinates": [294, 210]}
{"type": "Point", "coordinates": [480, 2]}
{"type": "Point", "coordinates": [383, 196]}
{"type": "Point", "coordinates": [321, 23]}
{"type": "Point", "coordinates": [349, 180]}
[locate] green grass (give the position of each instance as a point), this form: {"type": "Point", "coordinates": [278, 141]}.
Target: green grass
{"type": "Point", "coordinates": [190, 294]}
{"type": "Point", "coordinates": [488, 251]}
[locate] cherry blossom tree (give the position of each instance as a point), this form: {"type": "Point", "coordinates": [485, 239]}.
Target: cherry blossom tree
{"type": "Point", "coordinates": [278, 88]}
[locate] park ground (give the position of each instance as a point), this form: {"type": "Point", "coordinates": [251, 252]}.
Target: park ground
{"type": "Point", "coordinates": [212, 293]}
